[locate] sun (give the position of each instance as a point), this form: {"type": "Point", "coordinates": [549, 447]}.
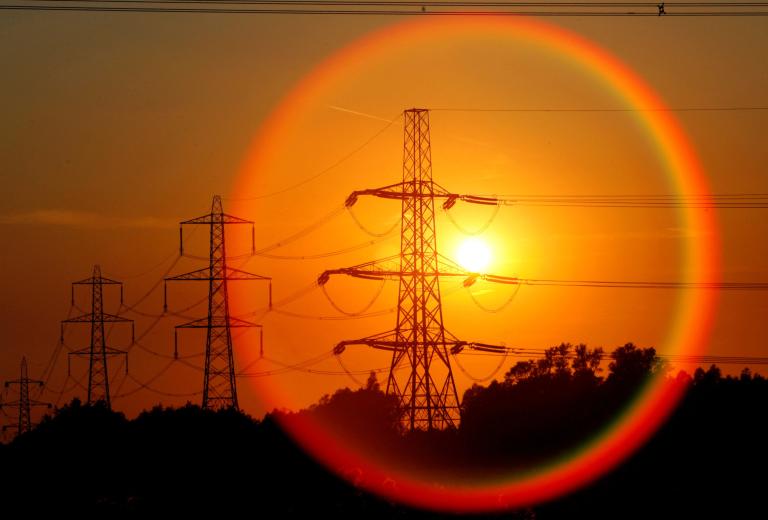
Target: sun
{"type": "Point", "coordinates": [474, 255]}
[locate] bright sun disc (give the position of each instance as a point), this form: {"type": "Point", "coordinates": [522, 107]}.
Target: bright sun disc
{"type": "Point", "coordinates": [474, 255]}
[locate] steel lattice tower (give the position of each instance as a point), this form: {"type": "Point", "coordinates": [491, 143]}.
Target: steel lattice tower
{"type": "Point", "coordinates": [98, 352]}
{"type": "Point", "coordinates": [420, 344]}
{"type": "Point", "coordinates": [23, 403]}
{"type": "Point", "coordinates": [219, 385]}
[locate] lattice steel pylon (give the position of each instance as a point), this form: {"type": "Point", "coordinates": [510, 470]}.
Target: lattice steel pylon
{"type": "Point", "coordinates": [98, 352]}
{"type": "Point", "coordinates": [420, 344]}
{"type": "Point", "coordinates": [24, 403]}
{"type": "Point", "coordinates": [219, 383]}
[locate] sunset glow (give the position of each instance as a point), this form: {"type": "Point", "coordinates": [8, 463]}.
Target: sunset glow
{"type": "Point", "coordinates": [466, 263]}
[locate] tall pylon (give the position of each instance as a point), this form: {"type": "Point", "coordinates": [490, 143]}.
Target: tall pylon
{"type": "Point", "coordinates": [23, 403]}
{"type": "Point", "coordinates": [219, 384]}
{"type": "Point", "coordinates": [419, 343]}
{"type": "Point", "coordinates": [98, 352]}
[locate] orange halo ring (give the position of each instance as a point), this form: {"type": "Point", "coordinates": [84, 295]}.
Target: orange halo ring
{"type": "Point", "coordinates": [688, 334]}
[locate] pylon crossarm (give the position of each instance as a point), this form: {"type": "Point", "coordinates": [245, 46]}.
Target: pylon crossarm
{"type": "Point", "coordinates": [381, 338]}
{"type": "Point", "coordinates": [481, 347]}
{"type": "Point", "coordinates": [214, 218]}
{"type": "Point", "coordinates": [88, 318]}
{"type": "Point", "coordinates": [390, 346]}
{"type": "Point", "coordinates": [400, 191]}
{"type": "Point", "coordinates": [108, 351]}
{"type": "Point", "coordinates": [112, 318]}
{"type": "Point", "coordinates": [495, 278]}
{"type": "Point", "coordinates": [204, 275]}
{"type": "Point", "coordinates": [383, 275]}
{"type": "Point", "coordinates": [454, 346]}
{"type": "Point", "coordinates": [449, 267]}
{"type": "Point", "coordinates": [19, 381]}
{"type": "Point", "coordinates": [486, 201]}
{"type": "Point", "coordinates": [238, 274]}
{"type": "Point", "coordinates": [393, 190]}
{"type": "Point", "coordinates": [94, 280]}
{"type": "Point", "coordinates": [217, 322]}
{"type": "Point", "coordinates": [239, 323]}
{"type": "Point", "coordinates": [374, 270]}
{"type": "Point", "coordinates": [389, 268]}
{"type": "Point", "coordinates": [388, 192]}
{"type": "Point", "coordinates": [201, 323]}
{"type": "Point", "coordinates": [83, 318]}
{"type": "Point", "coordinates": [199, 275]}
{"type": "Point", "coordinates": [368, 275]}
{"type": "Point", "coordinates": [485, 347]}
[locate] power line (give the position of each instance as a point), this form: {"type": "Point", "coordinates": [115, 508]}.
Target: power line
{"type": "Point", "coordinates": [476, 379]}
{"type": "Point", "coordinates": [143, 385]}
{"type": "Point", "coordinates": [365, 307]}
{"type": "Point", "coordinates": [172, 254]}
{"type": "Point", "coordinates": [419, 4]}
{"type": "Point", "coordinates": [302, 232]}
{"type": "Point", "coordinates": [499, 308]}
{"type": "Point", "coordinates": [706, 359]}
{"type": "Point", "coordinates": [335, 318]}
{"type": "Point", "coordinates": [383, 270]}
{"type": "Point", "coordinates": [365, 229]}
{"type": "Point", "coordinates": [391, 121]}
{"type": "Point", "coordinates": [165, 356]}
{"type": "Point", "coordinates": [405, 8]}
{"type": "Point", "coordinates": [662, 201]}
{"type": "Point", "coordinates": [51, 365]}
{"type": "Point", "coordinates": [627, 284]}
{"type": "Point", "coordinates": [325, 170]}
{"type": "Point", "coordinates": [327, 254]}
{"type": "Point", "coordinates": [578, 110]}
{"type": "Point", "coordinates": [477, 231]}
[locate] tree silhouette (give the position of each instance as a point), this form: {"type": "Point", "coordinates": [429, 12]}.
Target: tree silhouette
{"type": "Point", "coordinates": [631, 365]}
{"type": "Point", "coordinates": [707, 461]}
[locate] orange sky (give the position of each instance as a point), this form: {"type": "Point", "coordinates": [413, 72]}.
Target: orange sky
{"type": "Point", "coordinates": [109, 139]}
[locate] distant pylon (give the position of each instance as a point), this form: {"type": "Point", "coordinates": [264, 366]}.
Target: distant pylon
{"type": "Point", "coordinates": [98, 351]}
{"type": "Point", "coordinates": [420, 344]}
{"type": "Point", "coordinates": [219, 385]}
{"type": "Point", "coordinates": [23, 403]}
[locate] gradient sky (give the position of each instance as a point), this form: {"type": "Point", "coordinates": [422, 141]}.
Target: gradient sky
{"type": "Point", "coordinates": [115, 127]}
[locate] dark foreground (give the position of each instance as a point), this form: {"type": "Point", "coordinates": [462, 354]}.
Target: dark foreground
{"type": "Point", "coordinates": [708, 461]}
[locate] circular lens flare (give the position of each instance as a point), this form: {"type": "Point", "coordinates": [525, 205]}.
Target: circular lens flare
{"type": "Point", "coordinates": [474, 255]}
{"type": "Point", "coordinates": [688, 330]}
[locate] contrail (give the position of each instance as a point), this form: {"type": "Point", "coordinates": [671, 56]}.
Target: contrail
{"type": "Point", "coordinates": [355, 112]}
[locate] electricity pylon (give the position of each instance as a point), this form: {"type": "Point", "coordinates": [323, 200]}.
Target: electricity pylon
{"type": "Point", "coordinates": [98, 352]}
{"type": "Point", "coordinates": [23, 403]}
{"type": "Point", "coordinates": [219, 385]}
{"type": "Point", "coordinates": [426, 391]}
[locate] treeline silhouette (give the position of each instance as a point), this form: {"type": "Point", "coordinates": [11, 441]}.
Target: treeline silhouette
{"type": "Point", "coordinates": [707, 461]}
